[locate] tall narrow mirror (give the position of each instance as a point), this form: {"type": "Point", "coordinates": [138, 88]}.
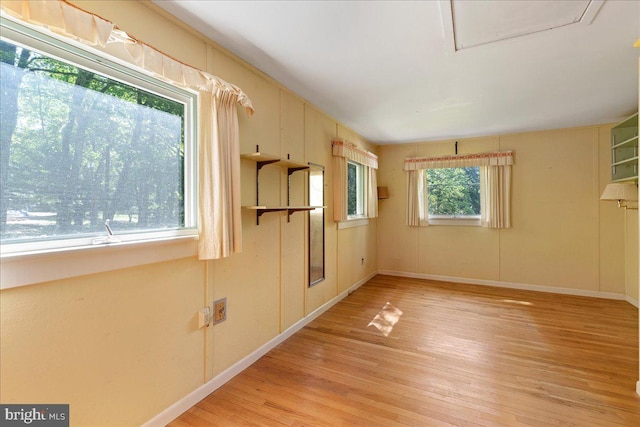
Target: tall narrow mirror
{"type": "Point", "coordinates": [316, 224]}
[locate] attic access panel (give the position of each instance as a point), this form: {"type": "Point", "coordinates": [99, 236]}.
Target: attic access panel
{"type": "Point", "coordinates": [475, 23]}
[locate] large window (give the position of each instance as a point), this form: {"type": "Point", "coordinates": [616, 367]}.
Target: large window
{"type": "Point", "coordinates": [86, 142]}
{"type": "Point", "coordinates": [355, 190]}
{"type": "Point", "coordinates": [453, 193]}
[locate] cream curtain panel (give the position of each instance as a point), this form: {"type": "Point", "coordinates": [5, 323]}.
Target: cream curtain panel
{"type": "Point", "coordinates": [219, 178]}
{"type": "Point", "coordinates": [340, 188]}
{"type": "Point", "coordinates": [495, 196]}
{"type": "Point", "coordinates": [495, 179]}
{"type": "Point", "coordinates": [219, 162]}
{"type": "Point", "coordinates": [417, 207]}
{"type": "Point", "coordinates": [372, 193]}
{"type": "Point", "coordinates": [343, 151]}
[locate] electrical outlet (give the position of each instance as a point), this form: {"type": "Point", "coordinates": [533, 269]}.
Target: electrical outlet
{"type": "Point", "coordinates": [219, 311]}
{"type": "Point", "coordinates": [362, 261]}
{"type": "Point", "coordinates": [204, 317]}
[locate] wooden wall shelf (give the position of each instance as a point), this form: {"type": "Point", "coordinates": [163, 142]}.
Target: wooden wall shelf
{"type": "Point", "coordinates": [260, 210]}
{"type": "Point", "coordinates": [264, 159]}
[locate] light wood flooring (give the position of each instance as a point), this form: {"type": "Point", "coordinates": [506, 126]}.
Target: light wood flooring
{"type": "Point", "coordinates": [458, 355]}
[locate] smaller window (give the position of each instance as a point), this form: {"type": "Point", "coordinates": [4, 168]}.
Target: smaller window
{"type": "Point", "coordinates": [453, 194]}
{"type": "Point", "coordinates": [355, 190]}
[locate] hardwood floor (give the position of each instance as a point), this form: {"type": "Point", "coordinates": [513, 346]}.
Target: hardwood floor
{"type": "Point", "coordinates": [460, 355]}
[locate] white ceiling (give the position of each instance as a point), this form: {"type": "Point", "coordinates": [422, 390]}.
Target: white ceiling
{"type": "Point", "coordinates": [403, 71]}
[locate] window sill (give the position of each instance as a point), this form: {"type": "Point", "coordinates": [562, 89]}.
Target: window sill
{"type": "Point", "coordinates": [37, 267]}
{"type": "Point", "coordinates": [353, 222]}
{"type": "Point", "coordinates": [465, 222]}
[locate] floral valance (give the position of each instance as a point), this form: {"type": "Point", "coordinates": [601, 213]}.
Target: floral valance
{"type": "Point", "coordinates": [70, 21]}
{"type": "Point", "coordinates": [459, 161]}
{"type": "Point", "coordinates": [344, 148]}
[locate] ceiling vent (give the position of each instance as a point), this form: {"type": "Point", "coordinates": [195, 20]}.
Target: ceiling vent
{"type": "Point", "coordinates": [469, 24]}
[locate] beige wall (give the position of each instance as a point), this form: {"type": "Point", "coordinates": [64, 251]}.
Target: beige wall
{"type": "Point", "coordinates": [122, 346]}
{"type": "Point", "coordinates": [562, 234]}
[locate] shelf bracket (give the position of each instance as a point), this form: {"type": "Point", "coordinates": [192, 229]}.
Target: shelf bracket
{"type": "Point", "coordinates": [291, 211]}
{"type": "Point", "coordinates": [259, 165]}
{"type": "Point", "coordinates": [261, 212]}
{"type": "Point", "coordinates": [290, 171]}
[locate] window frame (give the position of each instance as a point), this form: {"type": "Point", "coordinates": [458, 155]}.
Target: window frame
{"type": "Point", "coordinates": [459, 220]}
{"type": "Point", "coordinates": [75, 53]}
{"type": "Point", "coordinates": [361, 196]}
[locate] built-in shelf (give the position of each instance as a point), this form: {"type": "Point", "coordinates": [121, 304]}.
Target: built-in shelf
{"type": "Point", "coordinates": [631, 142]}
{"type": "Point", "coordinates": [264, 159]}
{"type": "Point", "coordinates": [630, 160]}
{"type": "Point", "coordinates": [624, 150]}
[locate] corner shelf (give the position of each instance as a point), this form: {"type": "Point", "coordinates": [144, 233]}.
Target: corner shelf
{"type": "Point", "coordinates": [624, 150]}
{"type": "Point", "coordinates": [264, 159]}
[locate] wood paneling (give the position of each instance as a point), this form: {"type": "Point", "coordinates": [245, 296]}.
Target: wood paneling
{"type": "Point", "coordinates": [291, 127]}
{"type": "Point", "coordinates": [458, 355]}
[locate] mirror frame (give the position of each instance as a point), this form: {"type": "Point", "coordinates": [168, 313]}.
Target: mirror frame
{"type": "Point", "coordinates": [316, 247]}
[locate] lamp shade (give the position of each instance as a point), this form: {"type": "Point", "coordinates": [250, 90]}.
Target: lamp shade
{"type": "Point", "coordinates": [620, 192]}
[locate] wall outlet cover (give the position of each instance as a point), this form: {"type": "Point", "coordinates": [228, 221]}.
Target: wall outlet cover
{"type": "Point", "coordinates": [219, 311]}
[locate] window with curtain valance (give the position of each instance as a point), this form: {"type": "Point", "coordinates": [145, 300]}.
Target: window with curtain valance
{"type": "Point", "coordinates": [364, 165]}
{"type": "Point", "coordinates": [218, 159]}
{"type": "Point", "coordinates": [495, 185]}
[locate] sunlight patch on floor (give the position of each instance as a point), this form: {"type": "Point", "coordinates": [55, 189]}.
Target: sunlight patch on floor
{"type": "Point", "coordinates": [386, 319]}
{"type": "Point", "coordinates": [511, 301]}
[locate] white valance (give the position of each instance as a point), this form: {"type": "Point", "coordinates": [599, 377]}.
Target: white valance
{"type": "Point", "coordinates": [70, 21]}
{"type": "Point", "coordinates": [344, 148]}
{"type": "Point", "coordinates": [501, 158]}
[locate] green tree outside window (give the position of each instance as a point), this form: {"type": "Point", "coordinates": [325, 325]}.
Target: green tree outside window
{"type": "Point", "coordinates": [454, 191]}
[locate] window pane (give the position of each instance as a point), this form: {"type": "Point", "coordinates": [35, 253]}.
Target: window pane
{"type": "Point", "coordinates": [79, 148]}
{"type": "Point", "coordinates": [352, 189]}
{"type": "Point", "coordinates": [355, 189]}
{"type": "Point", "coordinates": [454, 191]}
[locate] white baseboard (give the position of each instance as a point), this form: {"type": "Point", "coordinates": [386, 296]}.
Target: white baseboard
{"type": "Point", "coordinates": [632, 301]}
{"type": "Point", "coordinates": [511, 285]}
{"type": "Point", "coordinates": [184, 404]}
{"type": "Point", "coordinates": [359, 283]}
